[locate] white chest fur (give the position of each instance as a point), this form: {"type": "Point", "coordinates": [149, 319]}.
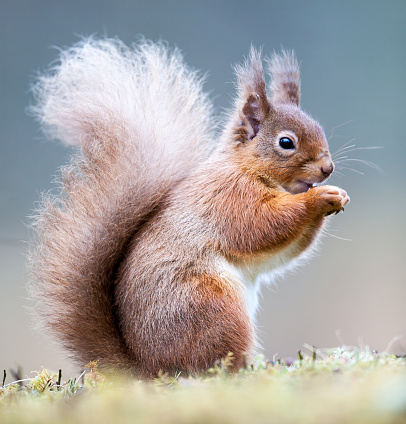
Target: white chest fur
{"type": "Point", "coordinates": [263, 268]}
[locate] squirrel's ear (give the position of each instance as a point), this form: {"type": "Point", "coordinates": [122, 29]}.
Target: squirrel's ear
{"type": "Point", "coordinates": [253, 101]}
{"type": "Point", "coordinates": [254, 112]}
{"type": "Point", "coordinates": [284, 71]}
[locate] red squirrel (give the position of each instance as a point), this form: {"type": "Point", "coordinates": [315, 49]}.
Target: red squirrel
{"type": "Point", "coordinates": [151, 256]}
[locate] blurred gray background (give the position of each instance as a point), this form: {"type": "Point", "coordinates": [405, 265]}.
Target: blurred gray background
{"type": "Point", "coordinates": [353, 62]}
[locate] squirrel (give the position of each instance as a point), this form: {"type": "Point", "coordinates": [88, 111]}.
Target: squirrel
{"type": "Point", "coordinates": [151, 255]}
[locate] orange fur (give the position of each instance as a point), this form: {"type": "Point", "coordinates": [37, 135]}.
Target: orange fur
{"type": "Point", "coordinates": [149, 258]}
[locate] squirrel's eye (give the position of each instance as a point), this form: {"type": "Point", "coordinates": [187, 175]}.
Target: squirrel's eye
{"type": "Point", "coordinates": [286, 143]}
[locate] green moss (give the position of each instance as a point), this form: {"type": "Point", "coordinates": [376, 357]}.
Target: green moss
{"type": "Point", "coordinates": [344, 385]}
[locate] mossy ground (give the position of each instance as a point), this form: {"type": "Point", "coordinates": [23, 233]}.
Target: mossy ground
{"type": "Point", "coordinates": [345, 385]}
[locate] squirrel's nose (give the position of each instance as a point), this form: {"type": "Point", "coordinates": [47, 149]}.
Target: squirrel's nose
{"type": "Point", "coordinates": [327, 168]}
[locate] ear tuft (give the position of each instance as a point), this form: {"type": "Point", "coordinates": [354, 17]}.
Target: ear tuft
{"type": "Point", "coordinates": [250, 75]}
{"type": "Point", "coordinates": [252, 99]}
{"type": "Point", "coordinates": [284, 71]}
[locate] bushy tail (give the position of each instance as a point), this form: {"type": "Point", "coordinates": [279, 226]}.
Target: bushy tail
{"type": "Point", "coordinates": [142, 123]}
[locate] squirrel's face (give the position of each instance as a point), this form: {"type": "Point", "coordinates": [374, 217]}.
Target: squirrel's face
{"type": "Point", "coordinates": [294, 147]}
{"type": "Point", "coordinates": [288, 147]}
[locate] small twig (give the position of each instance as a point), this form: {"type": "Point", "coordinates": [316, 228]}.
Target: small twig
{"type": "Point", "coordinates": [46, 385]}
{"type": "Point", "coordinates": [4, 377]}
{"type": "Point", "coordinates": [176, 377]}
{"type": "Point", "coordinates": [18, 375]}
{"type": "Point", "coordinates": [82, 376]}
{"type": "Point", "coordinates": [59, 378]}
{"type": "Point", "coordinates": [18, 381]}
{"type": "Point", "coordinates": [312, 349]}
{"type": "Point", "coordinates": [392, 342]}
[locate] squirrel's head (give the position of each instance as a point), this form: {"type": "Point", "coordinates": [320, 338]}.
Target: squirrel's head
{"type": "Point", "coordinates": [272, 137]}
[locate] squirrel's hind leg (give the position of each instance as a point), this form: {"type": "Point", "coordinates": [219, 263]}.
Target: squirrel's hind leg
{"type": "Point", "coordinates": [194, 323]}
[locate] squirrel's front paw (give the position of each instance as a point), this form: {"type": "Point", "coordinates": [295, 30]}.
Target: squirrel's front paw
{"type": "Point", "coordinates": [330, 199]}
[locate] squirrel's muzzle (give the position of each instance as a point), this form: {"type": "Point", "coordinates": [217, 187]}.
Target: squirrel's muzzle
{"type": "Point", "coordinates": [327, 168]}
